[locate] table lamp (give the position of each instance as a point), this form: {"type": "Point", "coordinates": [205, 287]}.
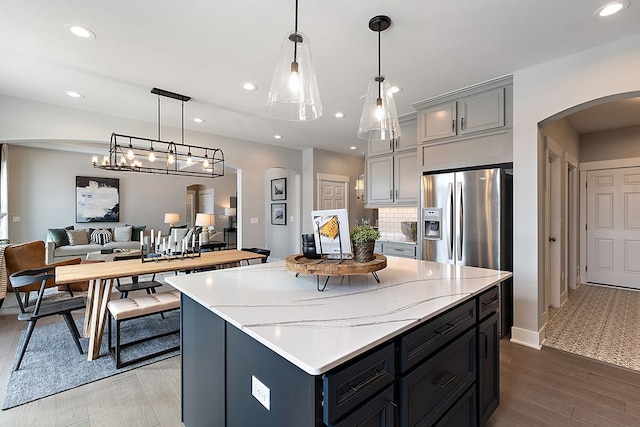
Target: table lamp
{"type": "Point", "coordinates": [171, 218]}
{"type": "Point", "coordinates": [206, 221]}
{"type": "Point", "coordinates": [230, 212]}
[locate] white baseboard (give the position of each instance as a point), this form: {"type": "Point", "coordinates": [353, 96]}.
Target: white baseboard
{"type": "Point", "coordinates": [527, 338]}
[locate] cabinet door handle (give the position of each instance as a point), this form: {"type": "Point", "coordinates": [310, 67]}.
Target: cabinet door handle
{"type": "Point", "coordinates": [366, 383]}
{"type": "Point", "coordinates": [397, 194]}
{"type": "Point", "coordinates": [391, 145]}
{"type": "Point", "coordinates": [445, 379]}
{"type": "Point", "coordinates": [397, 143]}
{"type": "Point", "coordinates": [391, 194]}
{"type": "Point", "coordinates": [485, 344]}
{"type": "Point", "coordinates": [453, 125]}
{"type": "Point", "coordinates": [462, 123]}
{"type": "Point", "coordinates": [445, 329]}
{"type": "Point", "coordinates": [490, 301]}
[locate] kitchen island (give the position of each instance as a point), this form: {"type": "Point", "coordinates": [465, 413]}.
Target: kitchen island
{"type": "Point", "coordinates": [263, 347]}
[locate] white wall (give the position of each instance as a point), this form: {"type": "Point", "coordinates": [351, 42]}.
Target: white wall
{"type": "Point", "coordinates": [612, 144]}
{"type": "Point", "coordinates": [283, 240]}
{"type": "Point", "coordinates": [541, 92]}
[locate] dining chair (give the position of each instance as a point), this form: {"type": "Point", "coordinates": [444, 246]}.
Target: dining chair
{"type": "Point", "coordinates": [124, 288]}
{"type": "Point", "coordinates": [43, 308]}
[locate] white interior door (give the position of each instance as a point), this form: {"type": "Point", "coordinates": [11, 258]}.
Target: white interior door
{"type": "Point", "coordinates": [613, 227]}
{"type": "Point", "coordinates": [553, 226]}
{"type": "Point", "coordinates": [332, 192]}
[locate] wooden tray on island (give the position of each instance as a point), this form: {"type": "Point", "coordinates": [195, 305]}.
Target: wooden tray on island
{"type": "Point", "coordinates": [334, 267]}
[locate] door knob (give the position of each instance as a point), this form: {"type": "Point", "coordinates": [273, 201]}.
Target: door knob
{"type": "Point", "coordinates": [552, 239]}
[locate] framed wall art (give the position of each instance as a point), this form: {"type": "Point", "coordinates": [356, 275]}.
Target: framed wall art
{"type": "Point", "coordinates": [279, 213]}
{"type": "Point", "coordinates": [97, 199]}
{"type": "Point", "coordinates": [279, 189]}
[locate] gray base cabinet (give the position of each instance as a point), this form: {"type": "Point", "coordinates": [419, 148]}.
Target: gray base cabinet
{"type": "Point", "coordinates": [443, 373]}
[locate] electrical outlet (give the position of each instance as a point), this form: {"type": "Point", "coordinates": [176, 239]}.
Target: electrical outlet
{"type": "Point", "coordinates": [255, 220]}
{"type": "Point", "coordinates": [16, 219]}
{"type": "Point", "coordinates": [261, 392]}
{"type": "Point", "coordinates": [291, 218]}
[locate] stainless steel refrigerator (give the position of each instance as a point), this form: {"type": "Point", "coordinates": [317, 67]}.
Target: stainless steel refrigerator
{"type": "Point", "coordinates": [467, 219]}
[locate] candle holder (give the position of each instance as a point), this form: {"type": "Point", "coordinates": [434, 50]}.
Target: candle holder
{"type": "Point", "coordinates": [155, 253]}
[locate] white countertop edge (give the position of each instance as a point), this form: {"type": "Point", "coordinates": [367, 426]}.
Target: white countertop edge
{"type": "Point", "coordinates": [319, 370]}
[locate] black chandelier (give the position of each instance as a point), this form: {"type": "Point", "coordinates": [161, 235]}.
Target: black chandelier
{"type": "Point", "coordinates": [136, 154]}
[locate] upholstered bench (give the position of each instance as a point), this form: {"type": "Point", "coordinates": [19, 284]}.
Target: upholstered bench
{"type": "Point", "coordinates": [133, 308]}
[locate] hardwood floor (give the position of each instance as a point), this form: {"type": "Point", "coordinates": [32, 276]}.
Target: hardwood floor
{"type": "Point", "coordinates": [538, 388]}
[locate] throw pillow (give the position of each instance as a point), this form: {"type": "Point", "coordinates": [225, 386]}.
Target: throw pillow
{"type": "Point", "coordinates": [135, 231]}
{"type": "Point", "coordinates": [59, 235]}
{"type": "Point", "coordinates": [78, 237]}
{"type": "Point", "coordinates": [122, 233]}
{"type": "Point", "coordinates": [101, 236]}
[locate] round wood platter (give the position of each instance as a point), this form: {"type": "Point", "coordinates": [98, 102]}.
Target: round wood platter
{"type": "Point", "coordinates": [334, 267]}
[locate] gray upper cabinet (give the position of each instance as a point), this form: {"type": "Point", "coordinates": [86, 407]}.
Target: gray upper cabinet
{"type": "Point", "coordinates": [392, 169]}
{"type": "Point", "coordinates": [465, 113]}
{"type": "Point", "coordinates": [408, 139]}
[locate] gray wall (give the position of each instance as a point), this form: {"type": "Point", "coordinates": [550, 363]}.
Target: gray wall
{"type": "Point", "coordinates": [50, 145]}
{"type": "Point", "coordinates": [610, 144]}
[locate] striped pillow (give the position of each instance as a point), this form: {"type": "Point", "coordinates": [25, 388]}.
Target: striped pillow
{"type": "Point", "coordinates": [101, 236]}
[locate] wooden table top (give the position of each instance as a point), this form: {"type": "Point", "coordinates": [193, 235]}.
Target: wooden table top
{"type": "Point", "coordinates": [135, 267]}
{"type": "Point", "coordinates": [334, 267]}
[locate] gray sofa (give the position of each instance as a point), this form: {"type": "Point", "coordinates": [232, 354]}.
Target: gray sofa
{"type": "Point", "coordinates": [58, 248]}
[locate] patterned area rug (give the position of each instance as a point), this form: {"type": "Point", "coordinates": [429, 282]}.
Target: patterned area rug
{"type": "Point", "coordinates": [599, 322]}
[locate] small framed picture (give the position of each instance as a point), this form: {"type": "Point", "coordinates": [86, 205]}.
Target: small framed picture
{"type": "Point", "coordinates": [279, 213]}
{"type": "Point", "coordinates": [279, 189]}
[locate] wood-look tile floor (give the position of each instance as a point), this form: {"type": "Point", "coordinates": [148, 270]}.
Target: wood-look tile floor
{"type": "Point", "coordinates": [538, 388]}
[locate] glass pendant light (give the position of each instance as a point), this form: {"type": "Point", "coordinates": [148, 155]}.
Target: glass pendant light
{"type": "Point", "coordinates": [294, 93]}
{"type": "Point", "coordinates": [379, 120]}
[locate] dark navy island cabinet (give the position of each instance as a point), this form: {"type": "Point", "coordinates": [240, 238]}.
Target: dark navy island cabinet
{"type": "Point", "coordinates": [443, 372]}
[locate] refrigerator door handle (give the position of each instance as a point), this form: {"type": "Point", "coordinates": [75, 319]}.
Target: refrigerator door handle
{"type": "Point", "coordinates": [451, 221]}
{"type": "Point", "coordinates": [460, 229]}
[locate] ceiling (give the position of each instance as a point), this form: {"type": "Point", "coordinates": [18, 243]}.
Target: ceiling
{"type": "Point", "coordinates": [206, 49]}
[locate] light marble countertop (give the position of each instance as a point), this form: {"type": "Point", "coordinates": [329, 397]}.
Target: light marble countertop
{"type": "Point", "coordinates": [318, 331]}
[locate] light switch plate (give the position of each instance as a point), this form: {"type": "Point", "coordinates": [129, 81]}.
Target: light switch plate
{"type": "Point", "coordinates": [261, 392]}
{"type": "Point", "coordinates": [255, 220]}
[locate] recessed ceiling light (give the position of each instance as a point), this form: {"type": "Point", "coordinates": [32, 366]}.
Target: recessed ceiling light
{"type": "Point", "coordinates": [612, 8]}
{"type": "Point", "coordinates": [277, 136]}
{"type": "Point", "coordinates": [352, 147]}
{"type": "Point", "coordinates": [74, 94]}
{"type": "Point", "coordinates": [81, 32]}
{"type": "Point", "coordinates": [339, 115]}
{"type": "Point", "coordinates": [395, 89]}
{"type": "Point", "coordinates": [248, 86]}
{"type": "Point", "coordinates": [198, 120]}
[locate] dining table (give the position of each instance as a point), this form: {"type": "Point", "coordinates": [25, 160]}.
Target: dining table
{"type": "Point", "coordinates": [103, 275]}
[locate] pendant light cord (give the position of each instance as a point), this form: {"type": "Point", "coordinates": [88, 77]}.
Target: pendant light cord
{"type": "Point", "coordinates": [295, 42]}
{"type": "Point", "coordinates": [182, 122]}
{"type": "Point", "coordinates": [379, 66]}
{"type": "Point", "coordinates": [159, 118]}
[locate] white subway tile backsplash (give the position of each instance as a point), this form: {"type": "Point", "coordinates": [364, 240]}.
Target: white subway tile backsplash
{"type": "Point", "coordinates": [389, 222]}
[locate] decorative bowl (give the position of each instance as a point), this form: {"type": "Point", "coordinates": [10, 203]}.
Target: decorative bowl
{"type": "Point", "coordinates": [409, 229]}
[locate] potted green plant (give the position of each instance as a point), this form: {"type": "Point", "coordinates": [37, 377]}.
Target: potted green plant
{"type": "Point", "coordinates": [363, 239]}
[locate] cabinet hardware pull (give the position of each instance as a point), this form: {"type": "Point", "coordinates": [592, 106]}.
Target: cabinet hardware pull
{"type": "Point", "coordinates": [445, 380]}
{"type": "Point", "coordinates": [484, 338]}
{"type": "Point", "coordinates": [391, 145]}
{"type": "Point", "coordinates": [490, 301]}
{"type": "Point", "coordinates": [391, 194]}
{"type": "Point", "coordinates": [366, 383]}
{"type": "Point", "coordinates": [396, 194]}
{"type": "Point", "coordinates": [453, 125]}
{"type": "Point", "coordinates": [397, 143]}
{"type": "Point", "coordinates": [448, 328]}
{"type": "Point", "coordinates": [462, 123]}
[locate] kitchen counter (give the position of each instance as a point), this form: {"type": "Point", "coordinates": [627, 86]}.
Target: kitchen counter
{"type": "Point", "coordinates": [262, 346]}
{"type": "Point", "coordinates": [317, 331]}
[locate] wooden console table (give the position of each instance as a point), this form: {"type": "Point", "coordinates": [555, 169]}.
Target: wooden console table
{"type": "Point", "coordinates": [334, 267]}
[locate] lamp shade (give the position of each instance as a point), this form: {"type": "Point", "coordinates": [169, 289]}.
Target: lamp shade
{"type": "Point", "coordinates": [230, 211]}
{"type": "Point", "coordinates": [171, 218]}
{"type": "Point", "coordinates": [379, 120]}
{"type": "Point", "coordinates": [205, 220]}
{"type": "Point", "coordinates": [294, 93]}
